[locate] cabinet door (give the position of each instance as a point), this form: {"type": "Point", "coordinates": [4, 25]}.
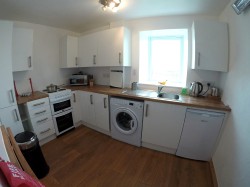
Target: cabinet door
{"type": "Point", "coordinates": [87, 107]}
{"type": "Point", "coordinates": [210, 45]}
{"type": "Point", "coordinates": [68, 52]}
{"type": "Point", "coordinates": [10, 117]}
{"type": "Point", "coordinates": [110, 47]}
{"type": "Point", "coordinates": [75, 101]}
{"type": "Point", "coordinates": [162, 124]}
{"type": "Point", "coordinates": [22, 49]}
{"type": "Point", "coordinates": [7, 94]}
{"type": "Point", "coordinates": [87, 50]}
{"type": "Point", "coordinates": [101, 111]}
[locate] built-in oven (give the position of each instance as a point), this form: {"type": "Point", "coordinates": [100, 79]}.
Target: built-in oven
{"type": "Point", "coordinates": [63, 121]}
{"type": "Point", "coordinates": [61, 110]}
{"type": "Point", "coordinates": [61, 105]}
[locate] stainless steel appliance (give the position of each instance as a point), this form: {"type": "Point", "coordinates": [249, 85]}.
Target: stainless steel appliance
{"type": "Point", "coordinates": [195, 89]}
{"type": "Point", "coordinates": [79, 80]}
{"type": "Point", "coordinates": [61, 110]}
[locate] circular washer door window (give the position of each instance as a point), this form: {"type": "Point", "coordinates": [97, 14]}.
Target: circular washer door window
{"type": "Point", "coordinates": [125, 121]}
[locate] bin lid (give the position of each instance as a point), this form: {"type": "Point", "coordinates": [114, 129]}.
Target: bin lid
{"type": "Point", "coordinates": [26, 140]}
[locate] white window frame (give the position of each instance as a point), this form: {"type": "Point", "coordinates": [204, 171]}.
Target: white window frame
{"type": "Point", "coordinates": [144, 57]}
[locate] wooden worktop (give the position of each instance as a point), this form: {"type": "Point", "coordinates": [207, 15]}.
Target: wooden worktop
{"type": "Point", "coordinates": [150, 95]}
{"type": "Point", "coordinates": [34, 96]}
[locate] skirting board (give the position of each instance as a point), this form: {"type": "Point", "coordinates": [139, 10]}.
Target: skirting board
{"type": "Point", "coordinates": [213, 175]}
{"type": "Point", "coordinates": [96, 128]}
{"type": "Point", "coordinates": [48, 139]}
{"type": "Point", "coordinates": [158, 148]}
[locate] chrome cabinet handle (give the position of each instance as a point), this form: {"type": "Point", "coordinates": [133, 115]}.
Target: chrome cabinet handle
{"type": "Point", "coordinates": [12, 96]}
{"type": "Point", "coordinates": [37, 104]}
{"type": "Point", "coordinates": [17, 118]}
{"type": "Point", "coordinates": [104, 102]}
{"type": "Point", "coordinates": [74, 96]}
{"type": "Point", "coordinates": [39, 121]}
{"type": "Point", "coordinates": [120, 59]}
{"type": "Point", "coordinates": [76, 61]}
{"type": "Point", "coordinates": [94, 59]}
{"type": "Point", "coordinates": [199, 58]}
{"type": "Point", "coordinates": [29, 62]}
{"type": "Point", "coordinates": [91, 99]}
{"type": "Point", "coordinates": [40, 112]}
{"type": "Point", "coordinates": [146, 111]}
{"type": "Point", "coordinates": [47, 130]}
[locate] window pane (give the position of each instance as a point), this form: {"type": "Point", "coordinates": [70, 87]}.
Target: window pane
{"type": "Point", "coordinates": [163, 56]}
{"type": "Point", "coordinates": [165, 59]}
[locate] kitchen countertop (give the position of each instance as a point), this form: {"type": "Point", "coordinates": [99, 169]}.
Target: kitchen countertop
{"type": "Point", "coordinates": [34, 96]}
{"type": "Point", "coordinates": [150, 95]}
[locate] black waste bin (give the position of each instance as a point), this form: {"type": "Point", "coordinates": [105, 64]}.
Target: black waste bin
{"type": "Point", "coordinates": [29, 145]}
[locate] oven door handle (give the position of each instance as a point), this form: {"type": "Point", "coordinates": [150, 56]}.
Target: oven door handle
{"type": "Point", "coordinates": [69, 110]}
{"type": "Point", "coordinates": [52, 102]}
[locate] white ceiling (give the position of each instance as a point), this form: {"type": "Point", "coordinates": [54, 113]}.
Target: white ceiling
{"type": "Point", "coordinates": [82, 15]}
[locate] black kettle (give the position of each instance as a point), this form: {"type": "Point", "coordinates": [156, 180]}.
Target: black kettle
{"type": "Point", "coordinates": [195, 89]}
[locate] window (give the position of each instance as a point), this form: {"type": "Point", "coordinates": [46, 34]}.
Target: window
{"type": "Point", "coordinates": [163, 56]}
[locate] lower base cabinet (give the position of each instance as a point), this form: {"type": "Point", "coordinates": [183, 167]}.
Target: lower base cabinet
{"type": "Point", "coordinates": [95, 110]}
{"type": "Point", "coordinates": [76, 106]}
{"type": "Point", "coordinates": [10, 117]}
{"type": "Point", "coordinates": [162, 125]}
{"type": "Point", "coordinates": [36, 117]}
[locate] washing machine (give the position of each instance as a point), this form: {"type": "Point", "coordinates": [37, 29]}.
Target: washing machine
{"type": "Point", "coordinates": [126, 120]}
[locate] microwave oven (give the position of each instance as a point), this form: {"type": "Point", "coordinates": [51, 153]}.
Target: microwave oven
{"type": "Point", "coordinates": [79, 80]}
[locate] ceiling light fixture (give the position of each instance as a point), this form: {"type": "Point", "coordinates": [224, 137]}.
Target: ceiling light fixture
{"type": "Point", "coordinates": [110, 4]}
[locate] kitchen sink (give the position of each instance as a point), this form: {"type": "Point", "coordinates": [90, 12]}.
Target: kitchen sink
{"type": "Point", "coordinates": [168, 96]}
{"type": "Point", "coordinates": [152, 94]}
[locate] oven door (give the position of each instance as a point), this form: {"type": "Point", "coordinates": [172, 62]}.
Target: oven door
{"type": "Point", "coordinates": [63, 122]}
{"type": "Point", "coordinates": [60, 106]}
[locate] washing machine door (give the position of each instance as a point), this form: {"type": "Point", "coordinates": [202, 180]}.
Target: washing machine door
{"type": "Point", "coordinates": [124, 120]}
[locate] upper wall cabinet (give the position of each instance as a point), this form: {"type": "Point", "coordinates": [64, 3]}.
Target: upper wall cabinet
{"type": "Point", "coordinates": [22, 49]}
{"type": "Point", "coordinates": [110, 47]}
{"type": "Point", "coordinates": [114, 47]}
{"type": "Point", "coordinates": [210, 45]}
{"type": "Point", "coordinates": [87, 50]}
{"type": "Point", "coordinates": [68, 52]}
{"type": "Point", "coordinates": [7, 94]}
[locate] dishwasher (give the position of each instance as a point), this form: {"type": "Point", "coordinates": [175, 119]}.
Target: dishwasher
{"type": "Point", "coordinates": [199, 134]}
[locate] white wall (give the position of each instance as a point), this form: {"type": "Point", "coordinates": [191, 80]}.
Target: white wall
{"type": "Point", "coordinates": [232, 158]}
{"type": "Point", "coordinates": [174, 22]}
{"type": "Point", "coordinates": [45, 59]}
{"type": "Point", "coordinates": [46, 54]}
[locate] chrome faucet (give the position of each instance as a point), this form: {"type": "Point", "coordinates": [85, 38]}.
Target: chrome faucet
{"type": "Point", "coordinates": [159, 89]}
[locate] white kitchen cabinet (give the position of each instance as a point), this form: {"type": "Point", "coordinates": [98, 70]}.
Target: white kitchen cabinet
{"type": "Point", "coordinates": [7, 94]}
{"type": "Point", "coordinates": [162, 126]}
{"type": "Point", "coordinates": [87, 107]}
{"type": "Point", "coordinates": [39, 118]}
{"type": "Point", "coordinates": [69, 52]}
{"type": "Point", "coordinates": [10, 117]}
{"type": "Point", "coordinates": [210, 45]}
{"type": "Point", "coordinates": [22, 51]}
{"type": "Point", "coordinates": [101, 111]}
{"type": "Point", "coordinates": [110, 47]}
{"type": "Point", "coordinates": [87, 50]}
{"type": "Point", "coordinates": [114, 47]}
{"type": "Point", "coordinates": [95, 110]}
{"type": "Point", "coordinates": [76, 106]}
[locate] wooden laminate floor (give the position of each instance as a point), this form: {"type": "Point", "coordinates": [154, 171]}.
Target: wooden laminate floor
{"type": "Point", "coordinates": [84, 157]}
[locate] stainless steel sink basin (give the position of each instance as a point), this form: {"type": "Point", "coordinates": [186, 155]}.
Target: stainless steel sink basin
{"type": "Point", "coordinates": [152, 94]}
{"type": "Point", "coordinates": [168, 96]}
